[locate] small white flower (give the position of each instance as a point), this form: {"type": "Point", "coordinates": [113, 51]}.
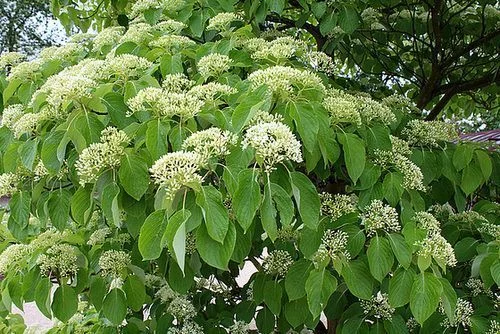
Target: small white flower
{"type": "Point", "coordinates": [213, 65]}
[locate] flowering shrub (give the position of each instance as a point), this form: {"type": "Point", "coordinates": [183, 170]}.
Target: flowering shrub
{"type": "Point", "coordinates": [144, 169]}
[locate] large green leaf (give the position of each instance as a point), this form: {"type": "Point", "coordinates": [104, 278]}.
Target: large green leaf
{"type": "Point", "coordinates": [151, 234]}
{"type": "Point", "coordinates": [135, 291]}
{"type": "Point", "coordinates": [272, 296]}
{"type": "Point", "coordinates": [65, 302]}
{"type": "Point", "coordinates": [42, 296]}
{"type": "Point", "coordinates": [319, 287]}
{"type": "Point", "coordinates": [400, 249]}
{"type": "Point", "coordinates": [400, 287]}
{"type": "Point", "coordinates": [212, 252]}
{"type": "Point", "coordinates": [248, 107]}
{"type": "Point", "coordinates": [296, 277]}
{"type": "Point", "coordinates": [109, 203]}
{"type": "Point", "coordinates": [134, 175]}
{"type": "Point", "coordinates": [306, 198]}
{"type": "Point", "coordinates": [209, 199]}
{"type": "Point", "coordinates": [59, 206]}
{"type": "Point", "coordinates": [247, 197]}
{"type": "Point", "coordinates": [268, 214]}
{"type": "Point", "coordinates": [81, 205]}
{"type": "Point", "coordinates": [380, 257]}
{"type": "Point", "coordinates": [20, 208]}
{"type": "Point", "coordinates": [354, 154]}
{"type": "Point", "coordinates": [175, 235]}
{"type": "Point", "coordinates": [114, 306]}
{"type": "Point", "coordinates": [156, 138]}
{"type": "Point", "coordinates": [425, 295]}
{"type": "Point", "coordinates": [358, 279]}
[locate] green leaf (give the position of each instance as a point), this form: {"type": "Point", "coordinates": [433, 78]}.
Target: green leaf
{"type": "Point", "coordinates": [109, 202]}
{"type": "Point", "coordinates": [42, 296]}
{"type": "Point", "coordinates": [400, 249]}
{"type": "Point", "coordinates": [319, 287]}
{"type": "Point", "coordinates": [272, 296]}
{"type": "Point", "coordinates": [393, 188]}
{"type": "Point", "coordinates": [358, 279]}
{"type": "Point", "coordinates": [354, 154]}
{"type": "Point", "coordinates": [495, 272]}
{"type": "Point", "coordinates": [265, 321]}
{"type": "Point", "coordinates": [150, 235]}
{"type": "Point", "coordinates": [294, 312]}
{"type": "Point", "coordinates": [59, 205]}
{"type": "Point", "coordinates": [296, 277]}
{"type": "Point", "coordinates": [156, 138]}
{"type": "Point", "coordinates": [117, 110]}
{"type": "Point", "coordinates": [306, 121]}
{"type": "Point", "coordinates": [463, 156]}
{"type": "Point", "coordinates": [284, 204]}
{"type": "Point", "coordinates": [27, 153]}
{"type": "Point", "coordinates": [307, 199]}
{"type": "Point", "coordinates": [249, 105]}
{"type": "Point", "coordinates": [448, 298]}
{"type": "Point", "coordinates": [175, 235]}
{"type": "Point", "coordinates": [472, 178]}
{"type": "Point", "coordinates": [247, 198]}
{"type": "Point", "coordinates": [171, 64]}
{"type": "Point", "coordinates": [209, 199]}
{"type": "Point", "coordinates": [212, 252]}
{"type": "Point", "coordinates": [348, 19]}
{"type": "Point", "coordinates": [52, 153]}
{"type": "Point", "coordinates": [135, 291]}
{"type": "Point", "coordinates": [380, 257]}
{"type": "Point", "coordinates": [19, 205]}
{"type": "Point", "coordinates": [484, 161]}
{"type": "Point", "coordinates": [268, 214]}
{"type": "Point", "coordinates": [65, 303]}
{"type": "Point", "coordinates": [114, 306]}
{"type": "Point", "coordinates": [98, 289]}
{"type": "Point", "coordinates": [400, 287]}
{"type": "Point", "coordinates": [465, 249]}
{"type": "Point", "coordinates": [134, 175]}
{"type": "Point", "coordinates": [424, 297]}
{"type": "Point", "coordinates": [81, 205]}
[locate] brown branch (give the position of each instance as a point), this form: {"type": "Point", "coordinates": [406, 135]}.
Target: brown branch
{"type": "Point", "coordinates": [471, 46]}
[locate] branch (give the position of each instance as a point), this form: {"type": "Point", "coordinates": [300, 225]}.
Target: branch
{"type": "Point", "coordinates": [473, 45]}
{"type": "Point", "coordinates": [460, 88]}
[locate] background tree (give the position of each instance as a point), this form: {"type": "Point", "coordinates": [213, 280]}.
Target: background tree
{"type": "Point", "coordinates": [444, 55]}
{"type": "Point", "coordinates": [27, 26]}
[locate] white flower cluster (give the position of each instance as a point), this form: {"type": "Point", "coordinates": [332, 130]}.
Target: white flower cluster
{"type": "Point", "coordinates": [14, 257]}
{"type": "Point", "coordinates": [213, 65]}
{"type": "Point", "coordinates": [49, 238]}
{"type": "Point", "coordinates": [138, 33]}
{"type": "Point", "coordinates": [239, 327]}
{"type": "Point", "coordinates": [126, 66]}
{"type": "Point", "coordinates": [468, 217]}
{"type": "Point", "coordinates": [441, 212]}
{"type": "Point", "coordinates": [210, 143]}
{"type": "Point", "coordinates": [188, 327]}
{"type": "Point", "coordinates": [287, 233]}
{"type": "Point", "coordinates": [347, 108]}
{"type": "Point", "coordinates": [163, 104]}
{"type": "Point", "coordinates": [26, 70]}
{"type": "Point", "coordinates": [286, 82]}
{"type": "Point", "coordinates": [412, 324]}
{"type": "Point", "coordinates": [319, 61]}
{"type": "Point", "coordinates": [172, 43]}
{"type": "Point", "coordinates": [378, 306]}
{"type": "Point", "coordinates": [400, 102]}
{"type": "Point", "coordinates": [9, 183]}
{"type": "Point", "coordinates": [280, 48]}
{"type": "Point", "coordinates": [333, 245]}
{"type": "Point", "coordinates": [397, 157]}
{"type": "Point", "coordinates": [11, 114]}
{"type": "Point", "coordinates": [337, 205]}
{"type": "Point", "coordinates": [477, 287]}
{"type": "Point", "coordinates": [170, 27]}
{"type": "Point", "coordinates": [98, 237]}
{"type": "Point", "coordinates": [60, 259]}
{"type": "Point", "coordinates": [427, 222]}
{"type": "Point", "coordinates": [177, 83]}
{"type": "Point", "coordinates": [378, 216]}
{"type": "Point", "coordinates": [143, 5]}
{"type": "Point", "coordinates": [10, 59]}
{"type": "Point", "coordinates": [107, 37]}
{"type": "Point", "coordinates": [62, 53]}
{"type": "Point", "coordinates": [27, 123]}
{"type": "Point", "coordinates": [434, 245]}
{"type": "Point", "coordinates": [153, 281]}
{"type": "Point", "coordinates": [494, 327]}
{"type": "Point", "coordinates": [491, 229]}
{"type": "Point", "coordinates": [181, 308]}
{"type": "Point", "coordinates": [370, 15]}
{"type": "Point", "coordinates": [222, 21]}
{"type": "Point", "coordinates": [211, 91]}
{"type": "Point", "coordinates": [277, 263]}
{"type": "Point", "coordinates": [273, 143]}
{"type": "Point", "coordinates": [437, 247]}
{"type": "Point", "coordinates": [114, 263]}
{"type": "Point", "coordinates": [462, 315]}
{"type": "Point", "coordinates": [101, 156]}
{"type": "Point", "coordinates": [176, 170]}
{"type": "Point", "coordinates": [429, 133]}
{"type": "Point", "coordinates": [82, 37]}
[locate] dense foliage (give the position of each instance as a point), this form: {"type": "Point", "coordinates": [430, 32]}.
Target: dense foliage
{"type": "Point", "coordinates": [144, 168]}
{"type": "Point", "coordinates": [444, 55]}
